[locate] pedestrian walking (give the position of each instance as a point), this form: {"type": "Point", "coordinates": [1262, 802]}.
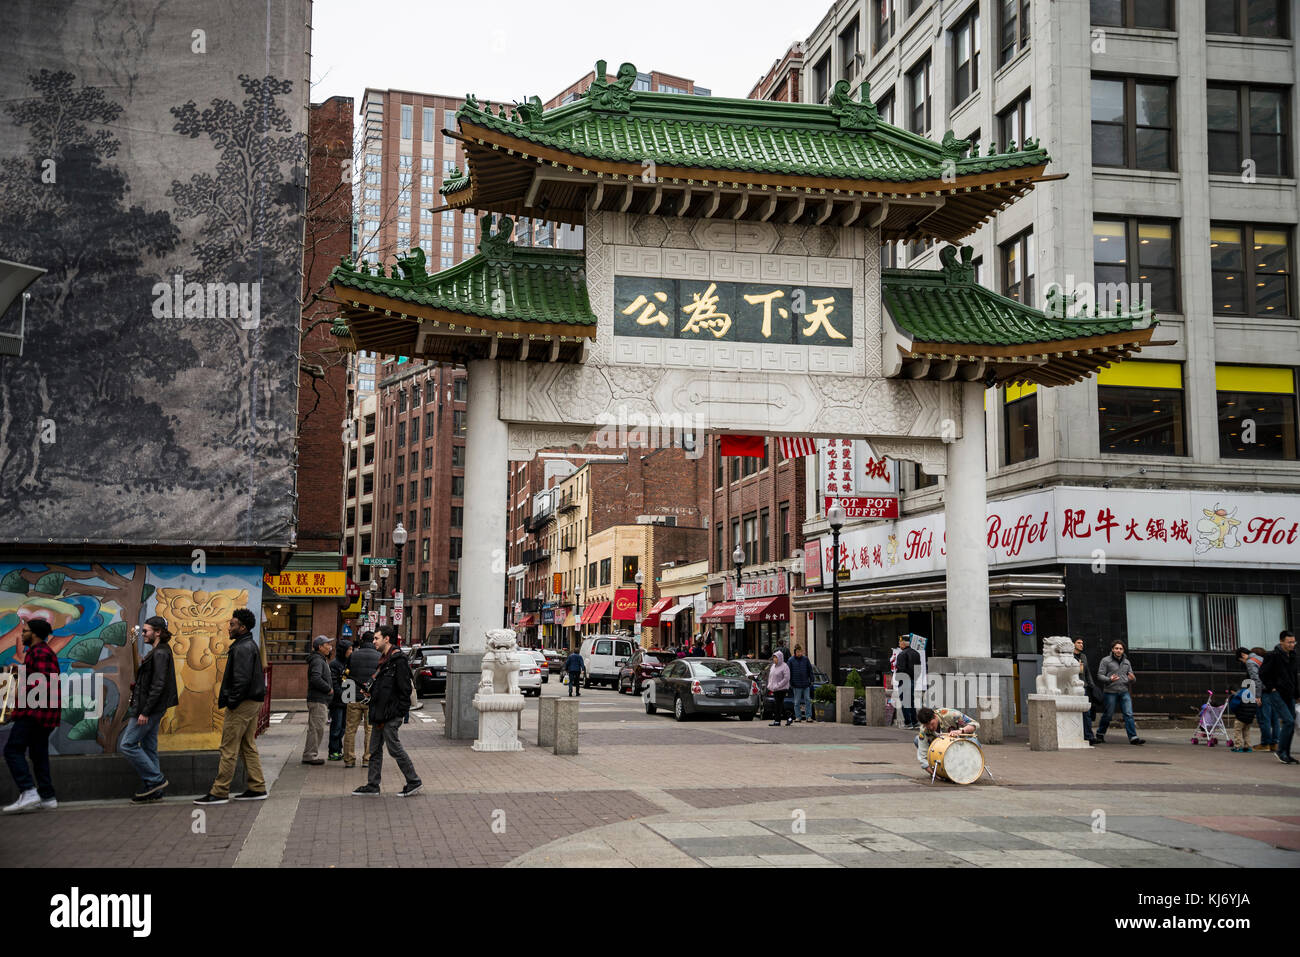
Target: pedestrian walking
{"type": "Point", "coordinates": [1263, 713]}
{"type": "Point", "coordinates": [710, 650]}
{"type": "Point", "coordinates": [908, 660]}
{"type": "Point", "coordinates": [243, 688]}
{"type": "Point", "coordinates": [390, 700]}
{"type": "Point", "coordinates": [32, 726]}
{"type": "Point", "coordinates": [1278, 674]}
{"type": "Point", "coordinates": [153, 692]}
{"type": "Point", "coordinates": [1115, 675]}
{"type": "Point", "coordinates": [778, 682]}
{"type": "Point", "coordinates": [574, 668]}
{"type": "Point", "coordinates": [338, 707]}
{"type": "Point", "coordinates": [1090, 688]}
{"type": "Point", "coordinates": [801, 679]}
{"type": "Point", "coordinates": [320, 692]}
{"type": "Point", "coordinates": [362, 665]}
{"type": "Point", "coordinates": [1244, 705]}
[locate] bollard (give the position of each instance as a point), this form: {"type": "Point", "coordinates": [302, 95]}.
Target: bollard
{"type": "Point", "coordinates": [546, 721]}
{"type": "Point", "coordinates": [565, 726]}
{"type": "Point", "coordinates": [988, 713]}
{"type": "Point", "coordinates": [844, 704]}
{"type": "Point", "coordinates": [876, 698]}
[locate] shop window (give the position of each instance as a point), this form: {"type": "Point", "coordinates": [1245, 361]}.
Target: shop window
{"type": "Point", "coordinates": [1250, 270]}
{"type": "Point", "coordinates": [285, 627]}
{"type": "Point", "coordinates": [1257, 412]}
{"type": "Point", "coordinates": [1135, 260]}
{"type": "Point", "coordinates": [1020, 423]}
{"type": "Point", "coordinates": [1140, 409]}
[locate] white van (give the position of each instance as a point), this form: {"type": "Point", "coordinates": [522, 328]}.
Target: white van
{"type": "Point", "coordinates": [604, 655]}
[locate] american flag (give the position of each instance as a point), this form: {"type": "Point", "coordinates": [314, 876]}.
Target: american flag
{"type": "Point", "coordinates": [797, 448]}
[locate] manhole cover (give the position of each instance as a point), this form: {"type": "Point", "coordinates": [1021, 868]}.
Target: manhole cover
{"type": "Point", "coordinates": [1166, 763]}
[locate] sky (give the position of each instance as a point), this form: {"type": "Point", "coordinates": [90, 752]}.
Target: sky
{"type": "Point", "coordinates": [507, 50]}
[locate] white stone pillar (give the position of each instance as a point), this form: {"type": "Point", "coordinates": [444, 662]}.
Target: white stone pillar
{"type": "Point", "coordinates": [966, 507]}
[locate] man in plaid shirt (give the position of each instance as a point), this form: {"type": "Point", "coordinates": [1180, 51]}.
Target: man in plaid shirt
{"type": "Point", "coordinates": [32, 726]}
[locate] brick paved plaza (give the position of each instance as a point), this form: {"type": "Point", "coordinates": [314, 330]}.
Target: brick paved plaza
{"type": "Point", "coordinates": [649, 791]}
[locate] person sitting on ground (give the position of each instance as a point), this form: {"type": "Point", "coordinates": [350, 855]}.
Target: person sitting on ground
{"type": "Point", "coordinates": [932, 722]}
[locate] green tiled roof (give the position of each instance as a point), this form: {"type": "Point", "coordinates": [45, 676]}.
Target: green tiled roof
{"type": "Point", "coordinates": [455, 182]}
{"type": "Point", "coordinates": [947, 306]}
{"type": "Point", "coordinates": [843, 139]}
{"type": "Point", "coordinates": [504, 283]}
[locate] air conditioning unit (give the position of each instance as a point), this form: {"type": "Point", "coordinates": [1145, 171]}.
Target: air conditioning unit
{"type": "Point", "coordinates": [670, 520]}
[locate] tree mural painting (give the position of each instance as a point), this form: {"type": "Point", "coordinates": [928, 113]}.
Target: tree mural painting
{"type": "Point", "coordinates": [248, 210]}
{"type": "Point", "coordinates": [73, 408]}
{"type": "Point", "coordinates": [92, 609]}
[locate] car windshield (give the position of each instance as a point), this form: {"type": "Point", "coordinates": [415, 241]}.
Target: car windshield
{"type": "Point", "coordinates": [438, 661]}
{"type": "Point", "coordinates": [659, 657]}
{"type": "Point", "coordinates": [715, 668]}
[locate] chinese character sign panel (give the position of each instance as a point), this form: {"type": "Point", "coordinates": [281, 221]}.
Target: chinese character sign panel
{"type": "Point", "coordinates": [709, 311]}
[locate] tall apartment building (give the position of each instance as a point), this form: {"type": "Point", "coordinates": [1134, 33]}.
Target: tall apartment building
{"type": "Point", "coordinates": [1171, 479]}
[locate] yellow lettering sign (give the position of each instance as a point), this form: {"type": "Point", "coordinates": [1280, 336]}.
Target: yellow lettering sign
{"type": "Point", "coordinates": [704, 314]}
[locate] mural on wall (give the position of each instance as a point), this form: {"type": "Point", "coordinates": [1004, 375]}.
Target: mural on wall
{"type": "Point", "coordinates": [93, 608]}
{"type": "Point", "coordinates": [155, 400]}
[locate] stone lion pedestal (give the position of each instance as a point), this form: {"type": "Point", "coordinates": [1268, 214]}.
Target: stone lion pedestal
{"type": "Point", "coordinates": [1055, 712]}
{"type": "Point", "coordinates": [498, 701]}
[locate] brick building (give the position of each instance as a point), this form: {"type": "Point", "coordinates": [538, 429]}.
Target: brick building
{"type": "Point", "coordinates": [781, 82]}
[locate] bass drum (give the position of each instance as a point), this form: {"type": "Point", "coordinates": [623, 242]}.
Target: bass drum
{"type": "Point", "coordinates": [959, 760]}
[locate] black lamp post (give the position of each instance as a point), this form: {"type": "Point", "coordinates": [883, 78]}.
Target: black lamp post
{"type": "Point", "coordinates": [399, 539]}
{"type": "Point", "coordinates": [577, 616]}
{"type": "Point", "coordinates": [639, 578]}
{"type": "Point", "coordinates": [738, 559]}
{"type": "Point", "coordinates": [835, 518]}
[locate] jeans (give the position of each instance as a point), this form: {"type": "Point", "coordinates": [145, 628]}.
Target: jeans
{"type": "Point", "coordinates": [139, 746]}
{"type": "Point", "coordinates": [1267, 722]}
{"type": "Point", "coordinates": [26, 735]}
{"type": "Point", "coordinates": [574, 687]}
{"type": "Point", "coordinates": [1125, 702]}
{"type": "Point", "coordinates": [802, 697]}
{"type": "Point", "coordinates": [388, 736]}
{"type": "Point", "coordinates": [338, 718]}
{"type": "Point", "coordinates": [1087, 721]}
{"type": "Point", "coordinates": [1283, 713]}
{"type": "Point", "coordinates": [905, 689]}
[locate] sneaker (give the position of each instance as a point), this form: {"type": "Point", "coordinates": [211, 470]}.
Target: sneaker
{"type": "Point", "coordinates": [1099, 739]}
{"type": "Point", "coordinates": [336, 756]}
{"type": "Point", "coordinates": [1262, 747]}
{"type": "Point", "coordinates": [153, 790]}
{"type": "Point", "coordinates": [1286, 758]}
{"type": "Point", "coordinates": [349, 764]}
{"type": "Point", "coordinates": [153, 797]}
{"type": "Point", "coordinates": [366, 789]}
{"type": "Point", "coordinates": [211, 799]}
{"type": "Point", "coordinates": [1273, 748]}
{"type": "Point", "coordinates": [313, 761]}
{"type": "Point", "coordinates": [27, 801]}
{"type": "Point", "coordinates": [1136, 741]}
{"type": "Point", "coordinates": [410, 789]}
{"type": "Point", "coordinates": [251, 796]}
{"type": "Point", "coordinates": [49, 804]}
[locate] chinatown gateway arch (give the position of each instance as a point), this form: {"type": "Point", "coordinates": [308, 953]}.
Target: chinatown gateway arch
{"type": "Point", "coordinates": [731, 274]}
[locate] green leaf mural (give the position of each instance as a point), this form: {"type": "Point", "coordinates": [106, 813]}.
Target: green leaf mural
{"type": "Point", "coordinates": [145, 592]}
{"type": "Point", "coordinates": [72, 714]}
{"type": "Point", "coordinates": [114, 634]}
{"type": "Point", "coordinates": [14, 582]}
{"type": "Point", "coordinates": [84, 730]}
{"type": "Point", "coordinates": [86, 652]}
{"type": "Point", "coordinates": [51, 584]}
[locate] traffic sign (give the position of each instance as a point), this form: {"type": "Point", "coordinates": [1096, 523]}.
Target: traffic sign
{"type": "Point", "coordinates": [379, 561]}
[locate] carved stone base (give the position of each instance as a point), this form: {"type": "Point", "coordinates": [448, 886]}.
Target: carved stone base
{"type": "Point", "coordinates": [498, 722]}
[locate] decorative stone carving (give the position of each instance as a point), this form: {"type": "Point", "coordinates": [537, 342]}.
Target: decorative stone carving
{"type": "Point", "coordinates": [1060, 673]}
{"type": "Point", "coordinates": [498, 700]}
{"type": "Point", "coordinates": [500, 664]}
{"type": "Point", "coordinates": [526, 441]}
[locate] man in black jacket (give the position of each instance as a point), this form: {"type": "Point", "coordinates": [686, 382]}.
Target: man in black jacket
{"type": "Point", "coordinates": [390, 700]}
{"type": "Point", "coordinates": [320, 692]}
{"type": "Point", "coordinates": [1278, 675]}
{"type": "Point", "coordinates": [338, 708]}
{"type": "Point", "coordinates": [1090, 688]}
{"type": "Point", "coordinates": [243, 686]}
{"type": "Point", "coordinates": [153, 692]}
{"type": "Point", "coordinates": [906, 664]}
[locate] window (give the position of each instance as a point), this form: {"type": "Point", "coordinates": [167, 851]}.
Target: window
{"type": "Point", "coordinates": [367, 513]}
{"type": "Point", "coordinates": [368, 454]}
{"type": "Point", "coordinates": [401, 465]}
{"type": "Point", "coordinates": [455, 549]}
{"type": "Point", "coordinates": [1250, 270]}
{"type": "Point", "coordinates": [1247, 18]}
{"type": "Point", "coordinates": [458, 486]}
{"type": "Point", "coordinates": [406, 122]}
{"type": "Point", "coordinates": [415, 429]}
{"type": "Point", "coordinates": [426, 518]}
{"type": "Point", "coordinates": [785, 531]}
{"type": "Point", "coordinates": [1164, 620]}
{"type": "Point", "coordinates": [918, 97]}
{"type": "Point", "coordinates": [424, 549]}
{"type": "Point", "coordinates": [1140, 409]}
{"type": "Point", "coordinates": [822, 78]}
{"type": "Point", "coordinates": [1152, 14]}
{"type": "Point", "coordinates": [1248, 125]}
{"type": "Point", "coordinates": [372, 177]}
{"type": "Point", "coordinates": [1018, 267]}
{"type": "Point", "coordinates": [427, 485]}
{"type": "Point", "coordinates": [966, 56]}
{"type": "Point", "coordinates": [1015, 124]}
{"type": "Point", "coordinates": [1013, 28]}
{"type": "Point", "coordinates": [606, 570]}
{"type": "Point", "coordinates": [751, 540]}
{"type": "Point", "coordinates": [458, 516]}
{"type": "Point", "coordinates": [426, 124]}
{"type": "Point", "coordinates": [460, 390]}
{"type": "Point", "coordinates": [1135, 260]}
{"type": "Point", "coordinates": [1257, 412]}
{"type": "Point", "coordinates": [591, 575]}
{"type": "Point", "coordinates": [426, 182]}
{"type": "Point", "coordinates": [631, 564]}
{"type": "Point", "coordinates": [401, 434]}
{"type": "Point", "coordinates": [368, 484]}
{"type": "Point", "coordinates": [849, 50]}
{"type": "Point", "coordinates": [458, 420]}
{"type": "Point", "coordinates": [457, 459]}
{"type": "Point", "coordinates": [449, 119]}
{"type": "Point", "coordinates": [721, 535]}
{"type": "Point", "coordinates": [882, 22]}
{"type": "Point", "coordinates": [453, 585]}
{"type": "Point", "coordinates": [1020, 423]}
{"type": "Point", "coordinates": [764, 535]}
{"type": "Point", "coordinates": [398, 495]}
{"type": "Point", "coordinates": [885, 107]}
{"type": "Point", "coordinates": [1132, 123]}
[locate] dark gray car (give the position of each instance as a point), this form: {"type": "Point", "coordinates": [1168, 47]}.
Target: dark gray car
{"type": "Point", "coordinates": [703, 686]}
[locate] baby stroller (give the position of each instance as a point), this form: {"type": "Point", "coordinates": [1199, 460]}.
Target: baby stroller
{"type": "Point", "coordinates": [1209, 726]}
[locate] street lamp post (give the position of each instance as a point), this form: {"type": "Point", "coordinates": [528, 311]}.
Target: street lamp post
{"type": "Point", "coordinates": [372, 595]}
{"type": "Point", "coordinates": [835, 518]}
{"type": "Point", "coordinates": [639, 578]}
{"type": "Point", "coordinates": [577, 617]}
{"type": "Point", "coordinates": [738, 559]}
{"type": "Point", "coordinates": [399, 539]}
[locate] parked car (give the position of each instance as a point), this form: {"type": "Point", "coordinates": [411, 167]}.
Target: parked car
{"type": "Point", "coordinates": [641, 667]}
{"type": "Point", "coordinates": [769, 700]}
{"type": "Point", "coordinates": [542, 662]}
{"type": "Point", "coordinates": [555, 659]}
{"type": "Point", "coordinates": [603, 656]}
{"type": "Point", "coordinates": [871, 669]}
{"type": "Point", "coordinates": [703, 686]}
{"type": "Point", "coordinates": [429, 666]}
{"type": "Point", "coordinates": [530, 674]}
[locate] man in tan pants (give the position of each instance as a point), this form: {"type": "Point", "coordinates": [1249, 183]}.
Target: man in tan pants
{"type": "Point", "coordinates": [242, 689]}
{"type": "Point", "coordinates": [362, 664]}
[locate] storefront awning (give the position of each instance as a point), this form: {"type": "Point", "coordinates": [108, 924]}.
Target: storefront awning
{"type": "Point", "coordinates": [775, 608]}
{"type": "Point", "coordinates": [571, 621]}
{"type": "Point", "coordinates": [592, 614]}
{"type": "Point", "coordinates": [671, 613]}
{"type": "Point", "coordinates": [525, 622]}
{"type": "Point", "coordinates": [652, 620]}
{"type": "Point", "coordinates": [918, 595]}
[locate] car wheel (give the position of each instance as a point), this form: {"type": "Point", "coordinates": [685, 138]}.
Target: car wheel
{"type": "Point", "coordinates": [679, 709]}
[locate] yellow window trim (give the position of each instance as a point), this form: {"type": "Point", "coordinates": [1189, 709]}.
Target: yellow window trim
{"type": "Point", "coordinates": [1015, 392]}
{"type": "Point", "coordinates": [1279, 381]}
{"type": "Point", "coordinates": [1143, 375]}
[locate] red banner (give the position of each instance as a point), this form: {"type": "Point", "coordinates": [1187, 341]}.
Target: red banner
{"type": "Point", "coordinates": [879, 506]}
{"type": "Point", "coordinates": [747, 445]}
{"type": "Point", "coordinates": [624, 604]}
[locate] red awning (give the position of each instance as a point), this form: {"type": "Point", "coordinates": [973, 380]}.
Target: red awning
{"type": "Point", "coordinates": [592, 614]}
{"type": "Point", "coordinates": [775, 608]}
{"type": "Point", "coordinates": [662, 605]}
{"type": "Point", "coordinates": [525, 622]}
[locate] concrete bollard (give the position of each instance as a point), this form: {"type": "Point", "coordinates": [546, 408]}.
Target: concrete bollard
{"type": "Point", "coordinates": [566, 726]}
{"type": "Point", "coordinates": [546, 721]}
{"type": "Point", "coordinates": [988, 713]}
{"type": "Point", "coordinates": [1042, 723]}
{"type": "Point", "coordinates": [876, 698]}
{"type": "Point", "coordinates": [844, 704]}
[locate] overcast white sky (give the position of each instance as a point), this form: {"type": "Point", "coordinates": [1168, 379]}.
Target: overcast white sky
{"type": "Point", "coordinates": [506, 50]}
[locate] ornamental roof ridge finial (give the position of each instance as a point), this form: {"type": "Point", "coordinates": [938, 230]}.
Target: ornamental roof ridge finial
{"type": "Point", "coordinates": [529, 112]}
{"type": "Point", "coordinates": [860, 115]}
{"type": "Point", "coordinates": [497, 245]}
{"type": "Point", "coordinates": [412, 266]}
{"type": "Point", "coordinates": [953, 148]}
{"type": "Point", "coordinates": [613, 97]}
{"type": "Point", "coordinates": [955, 272]}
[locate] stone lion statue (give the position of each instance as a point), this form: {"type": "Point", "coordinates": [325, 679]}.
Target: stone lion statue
{"type": "Point", "coordinates": [1060, 675]}
{"type": "Point", "coordinates": [500, 669]}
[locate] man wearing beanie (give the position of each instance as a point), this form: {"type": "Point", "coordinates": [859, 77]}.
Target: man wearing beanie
{"type": "Point", "coordinates": [320, 692]}
{"type": "Point", "coordinates": [34, 722]}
